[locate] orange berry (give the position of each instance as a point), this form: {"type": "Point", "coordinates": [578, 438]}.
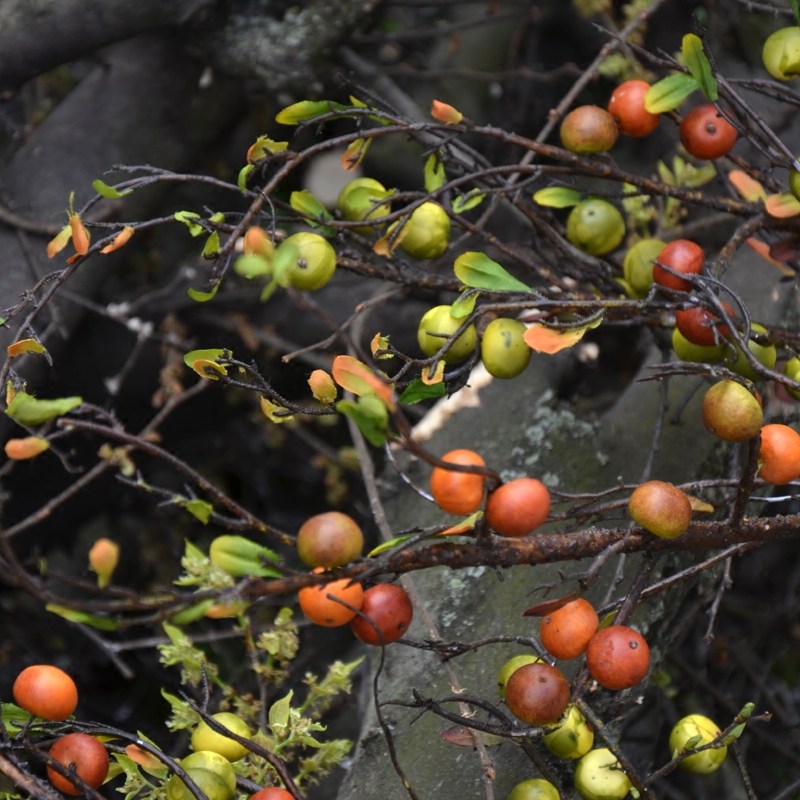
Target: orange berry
{"type": "Point", "coordinates": [319, 608]}
{"type": "Point", "coordinates": [458, 492]}
{"type": "Point", "coordinates": [537, 694]}
{"type": "Point", "coordinates": [627, 107]}
{"type": "Point", "coordinates": [273, 793]}
{"type": "Point", "coordinates": [617, 657]}
{"type": "Point", "coordinates": [566, 631]}
{"type": "Point", "coordinates": [46, 692]}
{"type": "Point", "coordinates": [780, 454]}
{"type": "Point", "coordinates": [518, 507]}
{"type": "Point", "coordinates": [86, 753]}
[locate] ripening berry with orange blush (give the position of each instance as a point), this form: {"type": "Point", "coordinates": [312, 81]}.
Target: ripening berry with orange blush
{"type": "Point", "coordinates": [566, 632]}
{"type": "Point", "coordinates": [779, 458]}
{"type": "Point", "coordinates": [627, 107]}
{"type": "Point", "coordinates": [46, 691]}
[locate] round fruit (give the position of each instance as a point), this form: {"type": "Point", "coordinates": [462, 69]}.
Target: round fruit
{"type": "Point", "coordinates": [389, 607]}
{"type": "Point", "coordinates": [436, 326]}
{"type": "Point", "coordinates": [588, 129]}
{"type": "Point", "coordinates": [427, 232]}
{"type": "Point", "coordinates": [792, 370]}
{"type": "Point", "coordinates": [503, 349]}
{"type": "Point", "coordinates": [617, 657]}
{"type": "Point", "coordinates": [573, 739]}
{"type": "Point", "coordinates": [595, 226]}
{"type": "Point", "coordinates": [305, 261]}
{"type": "Point", "coordinates": [706, 134]}
{"type": "Point", "coordinates": [690, 727]}
{"type": "Point", "coordinates": [518, 507]}
{"type": "Point", "coordinates": [598, 776]}
{"type": "Point", "coordinates": [358, 197]}
{"type": "Point", "coordinates": [660, 508]}
{"type": "Point", "coordinates": [781, 53]}
{"type": "Point", "coordinates": [626, 106]}
{"type": "Point", "coordinates": [638, 265]}
{"type": "Point", "coordinates": [780, 454]}
{"type": "Point", "coordinates": [510, 667]}
{"type": "Point", "coordinates": [686, 351]}
{"type": "Point", "coordinates": [731, 412]}
{"type": "Point", "coordinates": [46, 692]}
{"type": "Point", "coordinates": [534, 789]}
{"type": "Point", "coordinates": [315, 604]}
{"type": "Point", "coordinates": [209, 783]}
{"type": "Point", "coordinates": [537, 694]}
{"type": "Point", "coordinates": [698, 325]}
{"type": "Point", "coordinates": [273, 793]}
{"type": "Point", "coordinates": [203, 738]}
{"type": "Point", "coordinates": [766, 354]}
{"type": "Point", "coordinates": [329, 540]}
{"type": "Point", "coordinates": [682, 256]}
{"type": "Point", "coordinates": [86, 753]}
{"type": "Point", "coordinates": [566, 631]}
{"type": "Point", "coordinates": [458, 492]}
{"type": "Point", "coordinates": [213, 762]}
{"type": "Point", "coordinates": [794, 182]}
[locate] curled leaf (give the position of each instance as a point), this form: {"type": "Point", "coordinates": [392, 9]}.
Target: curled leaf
{"type": "Point", "coordinates": [549, 340]}
{"type": "Point", "coordinates": [433, 173]}
{"type": "Point", "coordinates": [24, 346]}
{"type": "Point", "coordinates": [433, 375]}
{"type": "Point", "coordinates": [445, 113]}
{"type": "Point", "coordinates": [203, 297]}
{"type": "Point", "coordinates": [306, 110]}
{"type": "Point", "coordinates": [244, 173]}
{"type": "Point", "coordinates": [749, 188]}
{"type": "Point", "coordinates": [558, 197]}
{"type": "Point", "coordinates": [782, 205]}
{"type": "Point", "coordinates": [23, 449]}
{"type": "Point", "coordinates": [356, 377]}
{"type": "Point", "coordinates": [29, 411]}
{"type": "Point", "coordinates": [263, 146]}
{"type": "Point", "coordinates": [59, 241]}
{"type": "Point", "coordinates": [699, 505]}
{"type": "Point", "coordinates": [119, 240]}
{"type": "Point", "coordinates": [549, 606]}
{"type": "Point", "coordinates": [322, 386]}
{"type": "Point", "coordinates": [80, 236]}
{"type": "Point", "coordinates": [355, 153]}
{"type": "Point", "coordinates": [378, 344]}
{"type": "Point", "coordinates": [271, 411]}
{"type": "Point", "coordinates": [464, 202]}
{"type": "Point", "coordinates": [104, 190]}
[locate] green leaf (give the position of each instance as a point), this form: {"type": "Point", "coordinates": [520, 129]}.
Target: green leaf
{"type": "Point", "coordinates": [465, 304]}
{"type": "Point", "coordinates": [417, 391]}
{"type": "Point", "coordinates": [202, 297]}
{"type": "Point", "coordinates": [212, 245]}
{"type": "Point", "coordinates": [693, 742]}
{"type": "Point", "coordinates": [203, 355]}
{"type": "Point", "coordinates": [433, 173]}
{"type": "Point", "coordinates": [198, 508]}
{"type": "Point", "coordinates": [244, 172]}
{"type": "Point", "coordinates": [747, 711]}
{"type": "Point", "coordinates": [464, 202]}
{"type": "Point", "coordinates": [193, 613]}
{"type": "Point", "coordinates": [382, 548]}
{"type": "Point", "coordinates": [252, 266]}
{"type": "Point", "coordinates": [669, 93]}
{"type": "Point", "coordinates": [665, 174]}
{"type": "Point", "coordinates": [306, 203]}
{"type": "Point", "coordinates": [101, 623]}
{"type": "Point", "coordinates": [306, 110]}
{"type": "Point", "coordinates": [14, 717]}
{"type": "Point", "coordinates": [697, 62]}
{"type": "Point", "coordinates": [608, 619]}
{"type": "Point", "coordinates": [29, 411]}
{"type": "Point", "coordinates": [279, 713]}
{"type": "Point", "coordinates": [558, 197]}
{"type": "Point", "coordinates": [186, 218]}
{"type": "Point", "coordinates": [734, 734]}
{"type": "Point", "coordinates": [479, 271]}
{"type": "Point", "coordinates": [104, 190]}
{"type": "Point", "coordinates": [371, 416]}
{"type": "Point", "coordinates": [796, 10]}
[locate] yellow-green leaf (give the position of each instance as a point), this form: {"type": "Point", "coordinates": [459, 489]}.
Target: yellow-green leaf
{"type": "Point", "coordinates": [30, 411]}
{"type": "Point", "coordinates": [306, 110]}
{"type": "Point", "coordinates": [433, 173]}
{"type": "Point", "coordinates": [697, 62]}
{"type": "Point", "coordinates": [464, 202]}
{"type": "Point", "coordinates": [669, 93]}
{"type": "Point", "coordinates": [186, 218]}
{"type": "Point", "coordinates": [479, 271]}
{"type": "Point", "coordinates": [203, 297]}
{"type": "Point", "coordinates": [101, 623]}
{"type": "Point", "coordinates": [104, 190]}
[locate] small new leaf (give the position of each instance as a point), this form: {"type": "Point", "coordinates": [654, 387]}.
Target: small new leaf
{"type": "Point", "coordinates": [668, 94]}
{"type": "Point", "coordinates": [104, 190]}
{"type": "Point", "coordinates": [417, 391]}
{"type": "Point", "coordinates": [384, 546]}
{"type": "Point", "coordinates": [203, 297]}
{"type": "Point", "coordinates": [71, 614]}
{"type": "Point", "coordinates": [558, 197]}
{"type": "Point", "coordinates": [306, 110]}
{"type": "Point", "coordinates": [464, 305]}
{"type": "Point", "coordinates": [697, 62]}
{"type": "Point", "coordinates": [186, 218]}
{"type": "Point", "coordinates": [433, 173]}
{"type": "Point", "coordinates": [464, 202]}
{"type": "Point", "coordinates": [30, 411]}
{"type": "Point", "coordinates": [480, 272]}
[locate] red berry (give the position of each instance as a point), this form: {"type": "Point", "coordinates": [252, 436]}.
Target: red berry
{"type": "Point", "coordinates": [389, 607]}
{"type": "Point", "coordinates": [682, 256]}
{"type": "Point", "coordinates": [706, 134]}
{"type": "Point", "coordinates": [627, 107]}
